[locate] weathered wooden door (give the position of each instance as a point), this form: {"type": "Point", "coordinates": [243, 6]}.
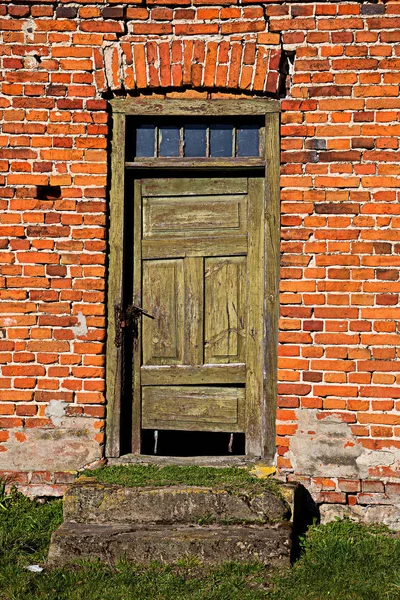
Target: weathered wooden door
{"type": "Point", "coordinates": [199, 270]}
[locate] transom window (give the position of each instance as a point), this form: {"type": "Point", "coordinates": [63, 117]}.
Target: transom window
{"type": "Point", "coordinates": [193, 138]}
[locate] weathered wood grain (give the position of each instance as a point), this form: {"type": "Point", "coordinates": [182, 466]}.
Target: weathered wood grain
{"type": "Point", "coordinates": [202, 108]}
{"type": "Point", "coordinates": [115, 281]}
{"type": "Point", "coordinates": [192, 407]}
{"type": "Point", "coordinates": [272, 257]}
{"type": "Point", "coordinates": [174, 247]}
{"type": "Point", "coordinates": [137, 299]}
{"type": "Point", "coordinates": [193, 374]}
{"type": "Point", "coordinates": [177, 216]}
{"type": "Point", "coordinates": [192, 186]}
{"type": "Point", "coordinates": [225, 308]}
{"type": "Point", "coordinates": [194, 313]}
{"type": "Point", "coordinates": [163, 297]}
{"type": "Point", "coordinates": [201, 164]}
{"type": "Point", "coordinates": [255, 346]}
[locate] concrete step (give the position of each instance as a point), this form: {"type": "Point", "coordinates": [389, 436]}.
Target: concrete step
{"type": "Point", "coordinates": [92, 502]}
{"type": "Point", "coordinates": [143, 544]}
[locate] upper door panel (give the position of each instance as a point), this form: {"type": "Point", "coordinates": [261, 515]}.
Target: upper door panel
{"type": "Point", "coordinates": [192, 207]}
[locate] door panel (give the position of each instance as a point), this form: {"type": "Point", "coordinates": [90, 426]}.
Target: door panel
{"type": "Point", "coordinates": [195, 359]}
{"type": "Point", "coordinates": [193, 408]}
{"type": "Point", "coordinates": [225, 280]}
{"type": "Point", "coordinates": [166, 216]}
{"type": "Point", "coordinates": [163, 293]}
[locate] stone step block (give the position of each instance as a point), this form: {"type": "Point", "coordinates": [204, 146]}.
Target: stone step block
{"type": "Point", "coordinates": [143, 544]}
{"type": "Point", "coordinates": [93, 502]}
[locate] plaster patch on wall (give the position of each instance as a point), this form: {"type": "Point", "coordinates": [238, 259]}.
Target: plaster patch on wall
{"type": "Point", "coordinates": [28, 28]}
{"type": "Point", "coordinates": [55, 411]}
{"type": "Point", "coordinates": [386, 515]}
{"type": "Point", "coordinates": [327, 448]}
{"type": "Point", "coordinates": [112, 54]}
{"type": "Point", "coordinates": [81, 328]}
{"type": "Point", "coordinates": [66, 448]}
{"type": "Point", "coordinates": [377, 458]}
{"type": "Point", "coordinates": [30, 62]}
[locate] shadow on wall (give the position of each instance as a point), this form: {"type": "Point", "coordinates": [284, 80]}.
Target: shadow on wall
{"type": "Point", "coordinates": [48, 192]}
{"type": "Point", "coordinates": [306, 513]}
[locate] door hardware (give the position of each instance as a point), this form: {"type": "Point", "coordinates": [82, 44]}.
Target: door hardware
{"type": "Point", "coordinates": [128, 317]}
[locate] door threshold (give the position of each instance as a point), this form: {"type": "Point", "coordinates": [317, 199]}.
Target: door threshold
{"type": "Point", "coordinates": [203, 461]}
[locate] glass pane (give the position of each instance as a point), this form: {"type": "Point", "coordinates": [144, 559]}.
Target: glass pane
{"type": "Point", "coordinates": [145, 138]}
{"type": "Point", "coordinates": [169, 141]}
{"type": "Point", "coordinates": [195, 140]}
{"type": "Point", "coordinates": [221, 140]}
{"type": "Point", "coordinates": [248, 141]}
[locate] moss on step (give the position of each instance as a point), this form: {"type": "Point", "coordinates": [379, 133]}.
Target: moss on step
{"type": "Point", "coordinates": [233, 479]}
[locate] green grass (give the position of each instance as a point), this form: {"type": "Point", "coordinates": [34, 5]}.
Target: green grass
{"type": "Point", "coordinates": [91, 581]}
{"type": "Point", "coordinates": [340, 561]}
{"type": "Point", "coordinates": [344, 560]}
{"type": "Point", "coordinates": [232, 478]}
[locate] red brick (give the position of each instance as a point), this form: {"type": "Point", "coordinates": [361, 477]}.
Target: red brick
{"type": "Point", "coordinates": [349, 485]}
{"type": "Point", "coordinates": [372, 486]}
{"type": "Point", "coordinates": [210, 64]}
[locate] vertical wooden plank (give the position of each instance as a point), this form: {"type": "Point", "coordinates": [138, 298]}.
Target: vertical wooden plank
{"type": "Point", "coordinates": [255, 345]}
{"type": "Point", "coordinates": [137, 299]}
{"type": "Point", "coordinates": [272, 254]}
{"type": "Point", "coordinates": [194, 313]}
{"type": "Point", "coordinates": [114, 355]}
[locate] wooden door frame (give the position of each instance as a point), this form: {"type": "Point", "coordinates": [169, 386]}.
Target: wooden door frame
{"type": "Point", "coordinates": [268, 246]}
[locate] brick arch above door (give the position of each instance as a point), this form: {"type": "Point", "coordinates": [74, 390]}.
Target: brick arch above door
{"type": "Point", "coordinates": [247, 66]}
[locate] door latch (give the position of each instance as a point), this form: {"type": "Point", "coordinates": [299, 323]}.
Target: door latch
{"type": "Point", "coordinates": [128, 317]}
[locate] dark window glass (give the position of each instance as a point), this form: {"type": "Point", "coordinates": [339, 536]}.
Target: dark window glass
{"type": "Point", "coordinates": [195, 140]}
{"type": "Point", "coordinates": [145, 140]}
{"type": "Point", "coordinates": [169, 141]}
{"type": "Point", "coordinates": [221, 140]}
{"type": "Point", "coordinates": [248, 141]}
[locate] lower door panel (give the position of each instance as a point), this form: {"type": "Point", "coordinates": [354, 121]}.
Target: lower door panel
{"type": "Point", "coordinates": [196, 408]}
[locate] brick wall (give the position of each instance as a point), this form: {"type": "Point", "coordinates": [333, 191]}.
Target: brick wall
{"type": "Point", "coordinates": [339, 408]}
{"type": "Point", "coordinates": [337, 68]}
